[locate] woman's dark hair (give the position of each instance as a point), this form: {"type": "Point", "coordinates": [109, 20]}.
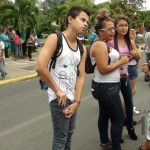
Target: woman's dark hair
{"type": "Point", "coordinates": [28, 32]}
{"type": "Point", "coordinates": [127, 36]}
{"type": "Point", "coordinates": [18, 33]}
{"type": "Point", "coordinates": [101, 23]}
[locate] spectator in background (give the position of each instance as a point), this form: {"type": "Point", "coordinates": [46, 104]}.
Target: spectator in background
{"type": "Point", "coordinates": [30, 43]}
{"type": "Point", "coordinates": [92, 36]}
{"type": "Point", "coordinates": [36, 40]}
{"type": "Point", "coordinates": [81, 37]}
{"type": "Point", "coordinates": [12, 44]}
{"type": "Point", "coordinates": [146, 146]}
{"type": "Point", "coordinates": [132, 70]}
{"type": "Point", "coordinates": [17, 41]}
{"type": "Point", "coordinates": [5, 40]}
{"type": "Point", "coordinates": [24, 47]}
{"type": "Point", "coordinates": [147, 48]}
{"type": "Point", "coordinates": [2, 63]}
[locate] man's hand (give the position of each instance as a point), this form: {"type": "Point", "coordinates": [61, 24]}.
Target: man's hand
{"type": "Point", "coordinates": [61, 98]}
{"type": "Point", "coordinates": [71, 109]}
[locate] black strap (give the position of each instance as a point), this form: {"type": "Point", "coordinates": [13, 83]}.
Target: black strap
{"type": "Point", "coordinates": [57, 53]}
{"type": "Point", "coordinates": [80, 47]}
{"type": "Point", "coordinates": [59, 46]}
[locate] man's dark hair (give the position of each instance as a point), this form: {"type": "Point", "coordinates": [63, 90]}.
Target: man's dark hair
{"type": "Point", "coordinates": [75, 11]}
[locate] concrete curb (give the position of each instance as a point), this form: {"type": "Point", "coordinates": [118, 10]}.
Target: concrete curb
{"type": "Point", "coordinates": [18, 79]}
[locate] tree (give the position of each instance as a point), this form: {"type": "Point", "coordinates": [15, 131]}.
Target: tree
{"type": "Point", "coordinates": [19, 14]}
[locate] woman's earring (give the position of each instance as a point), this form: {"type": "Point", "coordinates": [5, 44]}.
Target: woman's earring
{"type": "Point", "coordinates": [101, 37]}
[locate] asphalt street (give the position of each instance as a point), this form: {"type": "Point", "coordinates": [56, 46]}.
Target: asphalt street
{"type": "Point", "coordinates": [25, 120]}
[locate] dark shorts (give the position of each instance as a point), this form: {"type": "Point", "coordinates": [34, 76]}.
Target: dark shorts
{"type": "Point", "coordinates": [132, 70]}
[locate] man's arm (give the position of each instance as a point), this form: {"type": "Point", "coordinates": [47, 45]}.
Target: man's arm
{"type": "Point", "coordinates": [43, 60]}
{"type": "Point", "coordinates": [80, 77]}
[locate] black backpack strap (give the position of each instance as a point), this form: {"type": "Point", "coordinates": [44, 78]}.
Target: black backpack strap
{"type": "Point", "coordinates": [57, 52]}
{"type": "Point", "coordinates": [81, 52]}
{"type": "Point", "coordinates": [80, 46]}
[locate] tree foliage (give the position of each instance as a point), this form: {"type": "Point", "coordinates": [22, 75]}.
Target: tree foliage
{"type": "Point", "coordinates": [24, 13]}
{"type": "Point", "coordinates": [19, 14]}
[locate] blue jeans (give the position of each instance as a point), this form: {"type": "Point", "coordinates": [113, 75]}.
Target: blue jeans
{"type": "Point", "coordinates": [132, 70]}
{"type": "Point", "coordinates": [126, 91]}
{"type": "Point", "coordinates": [18, 50]}
{"type": "Point", "coordinates": [2, 68]}
{"type": "Point", "coordinates": [62, 127]}
{"type": "Point", "coordinates": [110, 107]}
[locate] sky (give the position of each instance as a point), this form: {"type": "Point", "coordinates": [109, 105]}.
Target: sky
{"type": "Point", "coordinates": [100, 1]}
{"type": "Point", "coordinates": [147, 3]}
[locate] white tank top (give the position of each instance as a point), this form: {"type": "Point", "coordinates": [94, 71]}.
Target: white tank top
{"type": "Point", "coordinates": [111, 77]}
{"type": "Point", "coordinates": [65, 71]}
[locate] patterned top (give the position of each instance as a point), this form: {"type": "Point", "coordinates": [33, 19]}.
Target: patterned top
{"type": "Point", "coordinates": [65, 71]}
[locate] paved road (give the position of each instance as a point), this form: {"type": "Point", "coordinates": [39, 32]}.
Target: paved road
{"type": "Point", "coordinates": [25, 122]}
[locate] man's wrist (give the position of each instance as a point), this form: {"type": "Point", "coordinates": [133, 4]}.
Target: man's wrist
{"type": "Point", "coordinates": [77, 102]}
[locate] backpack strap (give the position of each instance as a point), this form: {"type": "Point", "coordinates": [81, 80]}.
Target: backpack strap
{"type": "Point", "coordinates": [81, 52]}
{"type": "Point", "coordinates": [57, 52]}
{"type": "Point", "coordinates": [80, 47]}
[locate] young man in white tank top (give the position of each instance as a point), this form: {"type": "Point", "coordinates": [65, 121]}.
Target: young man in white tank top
{"type": "Point", "coordinates": [65, 86]}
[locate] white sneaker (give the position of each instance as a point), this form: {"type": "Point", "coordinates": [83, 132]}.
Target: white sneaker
{"type": "Point", "coordinates": [136, 112]}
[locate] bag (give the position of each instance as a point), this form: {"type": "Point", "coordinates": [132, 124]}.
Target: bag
{"type": "Point", "coordinates": [89, 67]}
{"type": "Point", "coordinates": [57, 53]}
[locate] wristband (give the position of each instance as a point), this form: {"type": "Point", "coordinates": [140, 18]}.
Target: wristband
{"type": "Point", "coordinates": [76, 101]}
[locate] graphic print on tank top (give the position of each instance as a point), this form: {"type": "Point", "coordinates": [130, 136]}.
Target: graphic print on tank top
{"type": "Point", "coordinates": [67, 73]}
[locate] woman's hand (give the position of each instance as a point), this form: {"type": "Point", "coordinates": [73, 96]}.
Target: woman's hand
{"type": "Point", "coordinates": [124, 60]}
{"type": "Point", "coordinates": [133, 53]}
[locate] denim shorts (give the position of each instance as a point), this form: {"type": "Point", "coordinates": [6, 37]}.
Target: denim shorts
{"type": "Point", "coordinates": [132, 70]}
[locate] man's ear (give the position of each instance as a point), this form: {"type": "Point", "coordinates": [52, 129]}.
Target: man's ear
{"type": "Point", "coordinates": [69, 19]}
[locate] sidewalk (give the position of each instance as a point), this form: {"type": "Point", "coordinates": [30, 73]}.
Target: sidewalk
{"type": "Point", "coordinates": [22, 69]}
{"type": "Point", "coordinates": [19, 70]}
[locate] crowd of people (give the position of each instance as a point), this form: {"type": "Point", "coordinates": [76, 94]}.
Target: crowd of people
{"type": "Point", "coordinates": [18, 45]}
{"type": "Point", "coordinates": [116, 55]}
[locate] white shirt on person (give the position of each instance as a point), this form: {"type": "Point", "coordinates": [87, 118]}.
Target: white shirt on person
{"type": "Point", "coordinates": [65, 71]}
{"type": "Point", "coordinates": [2, 47]}
{"type": "Point", "coordinates": [111, 77]}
